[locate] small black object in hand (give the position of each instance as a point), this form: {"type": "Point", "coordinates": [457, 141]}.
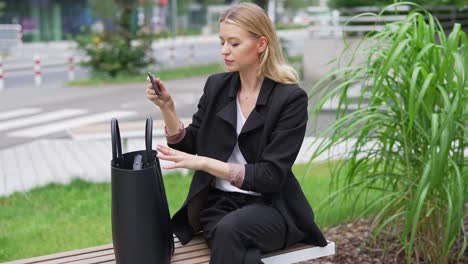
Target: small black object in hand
{"type": "Point", "coordinates": [154, 84]}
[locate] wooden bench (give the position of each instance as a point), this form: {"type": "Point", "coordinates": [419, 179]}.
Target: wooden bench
{"type": "Point", "coordinates": [194, 252]}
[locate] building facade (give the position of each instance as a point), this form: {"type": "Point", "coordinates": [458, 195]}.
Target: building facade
{"type": "Point", "coordinates": [54, 20]}
{"type": "Point", "coordinates": [47, 20]}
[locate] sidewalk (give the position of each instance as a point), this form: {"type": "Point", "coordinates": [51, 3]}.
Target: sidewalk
{"type": "Point", "coordinates": [60, 160]}
{"type": "Point", "coordinates": [59, 92]}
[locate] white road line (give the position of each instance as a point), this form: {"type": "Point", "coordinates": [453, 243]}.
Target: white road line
{"type": "Point", "coordinates": [41, 118]}
{"type": "Point", "coordinates": [76, 122]}
{"type": "Point", "coordinates": [19, 112]}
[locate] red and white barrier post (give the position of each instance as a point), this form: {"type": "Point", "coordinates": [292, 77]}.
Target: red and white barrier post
{"type": "Point", "coordinates": [71, 68]}
{"type": "Point", "coordinates": [2, 82]}
{"type": "Point", "coordinates": [19, 36]}
{"type": "Point", "coordinates": [172, 54]}
{"type": "Point", "coordinates": [37, 71]}
{"type": "Point", "coordinates": [192, 53]}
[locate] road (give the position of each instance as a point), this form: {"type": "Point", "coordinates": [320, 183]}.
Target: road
{"type": "Point", "coordinates": [28, 114]}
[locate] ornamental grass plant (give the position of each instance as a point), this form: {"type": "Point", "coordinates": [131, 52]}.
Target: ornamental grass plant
{"type": "Point", "coordinates": [409, 132]}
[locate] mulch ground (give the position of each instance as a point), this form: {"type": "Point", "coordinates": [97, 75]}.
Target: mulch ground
{"type": "Point", "coordinates": [355, 244]}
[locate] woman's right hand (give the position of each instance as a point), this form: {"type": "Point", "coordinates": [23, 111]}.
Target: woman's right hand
{"type": "Point", "coordinates": [165, 100]}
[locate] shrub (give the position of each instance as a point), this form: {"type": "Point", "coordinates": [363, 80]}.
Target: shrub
{"type": "Point", "coordinates": [112, 54]}
{"type": "Point", "coordinates": [410, 135]}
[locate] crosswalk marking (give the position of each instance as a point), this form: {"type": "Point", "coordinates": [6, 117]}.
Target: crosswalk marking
{"type": "Point", "coordinates": [37, 119]}
{"type": "Point", "coordinates": [71, 123]}
{"type": "Point", "coordinates": [19, 112]}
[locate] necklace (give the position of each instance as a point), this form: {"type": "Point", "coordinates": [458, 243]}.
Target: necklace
{"type": "Point", "coordinates": [246, 96]}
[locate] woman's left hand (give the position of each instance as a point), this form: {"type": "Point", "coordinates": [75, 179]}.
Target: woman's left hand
{"type": "Point", "coordinates": [180, 159]}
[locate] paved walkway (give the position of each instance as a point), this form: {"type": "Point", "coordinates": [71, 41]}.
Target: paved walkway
{"type": "Point", "coordinates": [47, 161]}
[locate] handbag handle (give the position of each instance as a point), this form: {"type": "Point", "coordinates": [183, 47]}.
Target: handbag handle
{"type": "Point", "coordinates": [148, 139]}
{"type": "Point", "coordinates": [116, 142]}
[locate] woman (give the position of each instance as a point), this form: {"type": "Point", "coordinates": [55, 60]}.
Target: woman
{"type": "Point", "coordinates": [242, 143]}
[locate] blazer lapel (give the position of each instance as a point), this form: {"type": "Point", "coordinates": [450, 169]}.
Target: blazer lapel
{"type": "Point", "coordinates": [254, 121]}
{"type": "Point", "coordinates": [229, 112]}
{"type": "Point", "coordinates": [256, 118]}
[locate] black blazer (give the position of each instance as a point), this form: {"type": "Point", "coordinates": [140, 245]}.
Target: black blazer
{"type": "Point", "coordinates": [270, 141]}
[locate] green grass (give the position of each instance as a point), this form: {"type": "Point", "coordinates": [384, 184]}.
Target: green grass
{"type": "Point", "coordinates": [295, 59]}
{"type": "Point", "coordinates": [319, 190]}
{"type": "Point", "coordinates": [169, 74]}
{"type": "Point", "coordinates": [58, 218]}
{"type": "Point", "coordinates": [282, 26]}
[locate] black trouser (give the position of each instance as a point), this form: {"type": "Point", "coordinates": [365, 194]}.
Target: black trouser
{"type": "Point", "coordinates": [239, 227]}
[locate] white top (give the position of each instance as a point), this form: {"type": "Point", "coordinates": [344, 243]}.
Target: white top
{"type": "Point", "coordinates": [236, 157]}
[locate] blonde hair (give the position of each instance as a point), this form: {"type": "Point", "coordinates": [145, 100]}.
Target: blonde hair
{"type": "Point", "coordinates": [253, 19]}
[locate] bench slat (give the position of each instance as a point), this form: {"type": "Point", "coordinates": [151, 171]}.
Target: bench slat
{"type": "Point", "coordinates": [196, 260]}
{"type": "Point", "coordinates": [60, 255]}
{"type": "Point", "coordinates": [181, 252]}
{"type": "Point", "coordinates": [94, 260]}
{"type": "Point", "coordinates": [190, 256]}
{"type": "Point", "coordinates": [82, 258]}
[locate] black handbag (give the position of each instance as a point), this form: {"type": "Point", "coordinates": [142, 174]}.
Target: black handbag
{"type": "Point", "coordinates": [141, 230]}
